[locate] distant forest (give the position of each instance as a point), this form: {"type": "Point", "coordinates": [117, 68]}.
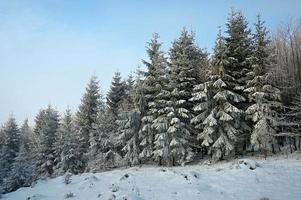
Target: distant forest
{"type": "Point", "coordinates": [244, 99]}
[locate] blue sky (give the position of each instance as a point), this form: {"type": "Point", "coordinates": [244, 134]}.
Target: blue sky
{"type": "Point", "coordinates": [50, 48]}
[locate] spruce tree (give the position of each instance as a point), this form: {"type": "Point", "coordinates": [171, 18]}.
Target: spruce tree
{"type": "Point", "coordinates": [218, 118]}
{"type": "Point", "coordinates": [239, 57]}
{"type": "Point", "coordinates": [129, 124]}
{"type": "Point", "coordinates": [203, 93]}
{"type": "Point", "coordinates": [10, 147]}
{"type": "Point", "coordinates": [22, 171]}
{"type": "Point", "coordinates": [26, 135]}
{"type": "Point", "coordinates": [116, 94]}
{"type": "Point", "coordinates": [185, 65]}
{"type": "Point", "coordinates": [87, 114]}
{"type": "Point", "coordinates": [70, 157]}
{"type": "Point", "coordinates": [46, 149]}
{"type": "Point", "coordinates": [39, 123]}
{"type": "Point", "coordinates": [264, 97]}
{"type": "Point", "coordinates": [151, 89]}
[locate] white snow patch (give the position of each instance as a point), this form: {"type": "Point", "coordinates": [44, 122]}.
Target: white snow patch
{"type": "Point", "coordinates": [245, 179]}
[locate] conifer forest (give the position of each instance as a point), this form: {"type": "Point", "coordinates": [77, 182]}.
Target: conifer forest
{"type": "Point", "coordinates": [182, 106]}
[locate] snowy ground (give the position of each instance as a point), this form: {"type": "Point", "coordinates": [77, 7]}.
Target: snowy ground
{"type": "Point", "coordinates": [276, 178]}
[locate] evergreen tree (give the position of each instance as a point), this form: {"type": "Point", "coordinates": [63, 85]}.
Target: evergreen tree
{"type": "Point", "coordinates": [218, 118]}
{"type": "Point", "coordinates": [127, 102]}
{"type": "Point", "coordinates": [116, 94]}
{"type": "Point", "coordinates": [46, 148]}
{"type": "Point", "coordinates": [22, 171]}
{"type": "Point", "coordinates": [70, 157]}
{"type": "Point", "coordinates": [264, 97]}
{"type": "Point", "coordinates": [10, 147]}
{"type": "Point", "coordinates": [87, 114]}
{"type": "Point", "coordinates": [129, 124]}
{"type": "Point", "coordinates": [203, 93]}
{"type": "Point", "coordinates": [26, 135]}
{"type": "Point", "coordinates": [186, 60]}
{"type": "Point", "coordinates": [151, 89]}
{"type": "Point", "coordinates": [239, 57]}
{"type": "Point", "coordinates": [39, 123]}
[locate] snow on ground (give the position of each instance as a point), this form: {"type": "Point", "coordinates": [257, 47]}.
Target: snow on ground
{"type": "Point", "coordinates": [246, 179]}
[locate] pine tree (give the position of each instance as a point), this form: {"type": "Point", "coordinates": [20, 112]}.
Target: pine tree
{"type": "Point", "coordinates": [22, 171]}
{"type": "Point", "coordinates": [186, 60]}
{"type": "Point", "coordinates": [218, 118]}
{"type": "Point", "coordinates": [70, 157]}
{"type": "Point", "coordinates": [26, 135]}
{"type": "Point", "coordinates": [39, 123]}
{"type": "Point", "coordinates": [87, 114]}
{"type": "Point", "coordinates": [203, 94]}
{"type": "Point", "coordinates": [129, 124]}
{"type": "Point", "coordinates": [46, 149]}
{"type": "Point", "coordinates": [151, 89]}
{"type": "Point", "coordinates": [264, 97]}
{"type": "Point", "coordinates": [116, 94]}
{"type": "Point", "coordinates": [9, 148]}
{"type": "Point", "coordinates": [239, 57]}
{"type": "Point", "coordinates": [127, 102]}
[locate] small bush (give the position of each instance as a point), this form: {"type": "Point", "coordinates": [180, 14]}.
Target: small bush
{"type": "Point", "coordinates": [69, 195]}
{"type": "Point", "coordinates": [67, 178]}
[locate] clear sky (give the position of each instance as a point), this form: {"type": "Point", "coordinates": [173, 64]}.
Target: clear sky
{"type": "Point", "coordinates": [50, 48]}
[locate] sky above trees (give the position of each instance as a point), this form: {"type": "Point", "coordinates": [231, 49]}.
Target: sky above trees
{"type": "Point", "coordinates": [49, 49]}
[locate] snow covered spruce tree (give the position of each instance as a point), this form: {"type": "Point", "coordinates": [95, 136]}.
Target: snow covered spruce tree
{"type": "Point", "coordinates": [45, 148]}
{"type": "Point", "coordinates": [129, 122]}
{"type": "Point", "coordinates": [239, 56]}
{"type": "Point", "coordinates": [203, 93]}
{"type": "Point", "coordinates": [218, 117]}
{"type": "Point", "coordinates": [159, 106]}
{"type": "Point", "coordinates": [10, 147]}
{"type": "Point", "coordinates": [86, 116]}
{"type": "Point", "coordinates": [116, 94]}
{"type": "Point", "coordinates": [185, 65]}
{"type": "Point", "coordinates": [67, 148]}
{"type": "Point", "coordinates": [264, 97]}
{"type": "Point", "coordinates": [105, 150]}
{"type": "Point", "coordinates": [26, 135]}
{"type": "Point", "coordinates": [22, 171]}
{"type": "Point", "coordinates": [115, 97]}
{"type": "Point", "coordinates": [151, 88]}
{"type": "Point", "coordinates": [39, 123]}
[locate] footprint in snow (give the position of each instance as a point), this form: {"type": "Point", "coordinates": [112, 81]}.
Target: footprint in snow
{"type": "Point", "coordinates": [114, 188]}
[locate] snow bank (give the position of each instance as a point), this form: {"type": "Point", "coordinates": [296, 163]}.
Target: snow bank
{"type": "Point", "coordinates": [245, 179]}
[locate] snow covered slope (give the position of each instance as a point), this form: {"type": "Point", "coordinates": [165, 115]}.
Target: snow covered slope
{"type": "Point", "coordinates": [246, 179]}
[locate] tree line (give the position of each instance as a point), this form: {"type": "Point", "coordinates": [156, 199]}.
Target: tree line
{"type": "Point", "coordinates": [187, 105]}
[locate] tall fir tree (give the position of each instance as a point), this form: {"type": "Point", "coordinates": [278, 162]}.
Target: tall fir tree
{"type": "Point", "coordinates": [70, 157]}
{"type": "Point", "coordinates": [39, 123]}
{"type": "Point", "coordinates": [203, 93]}
{"type": "Point", "coordinates": [151, 89]}
{"type": "Point", "coordinates": [239, 58]}
{"type": "Point", "coordinates": [116, 94]}
{"type": "Point", "coordinates": [26, 135]}
{"type": "Point", "coordinates": [22, 171]}
{"type": "Point", "coordinates": [264, 97]}
{"type": "Point", "coordinates": [87, 113]}
{"type": "Point", "coordinates": [185, 66]}
{"type": "Point", "coordinates": [10, 147]}
{"type": "Point", "coordinates": [218, 118]}
{"type": "Point", "coordinates": [46, 149]}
